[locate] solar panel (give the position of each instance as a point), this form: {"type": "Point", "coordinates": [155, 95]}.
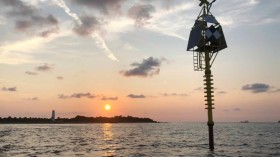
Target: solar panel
{"type": "Point", "coordinates": [195, 37]}
{"type": "Point", "coordinates": [210, 19]}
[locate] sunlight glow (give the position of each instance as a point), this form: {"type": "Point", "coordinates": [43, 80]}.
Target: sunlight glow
{"type": "Point", "coordinates": [107, 107]}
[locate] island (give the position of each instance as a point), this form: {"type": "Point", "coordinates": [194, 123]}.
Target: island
{"type": "Point", "coordinates": [76, 120]}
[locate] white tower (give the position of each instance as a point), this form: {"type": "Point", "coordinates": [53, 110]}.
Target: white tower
{"type": "Point", "coordinates": [53, 115]}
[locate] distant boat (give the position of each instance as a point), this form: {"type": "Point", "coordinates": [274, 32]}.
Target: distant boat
{"type": "Point", "coordinates": [246, 121]}
{"type": "Point", "coordinates": [279, 121]}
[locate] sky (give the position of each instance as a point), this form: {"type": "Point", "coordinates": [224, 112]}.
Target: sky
{"type": "Point", "coordinates": [75, 56]}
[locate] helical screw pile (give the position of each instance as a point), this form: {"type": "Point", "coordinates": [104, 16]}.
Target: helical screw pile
{"type": "Point", "coordinates": [208, 89]}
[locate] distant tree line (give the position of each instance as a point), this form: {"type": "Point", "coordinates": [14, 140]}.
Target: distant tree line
{"type": "Point", "coordinates": [77, 119]}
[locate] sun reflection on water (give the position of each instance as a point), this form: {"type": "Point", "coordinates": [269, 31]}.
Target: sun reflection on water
{"type": "Point", "coordinates": [107, 132]}
{"type": "Point", "coordinates": [108, 137]}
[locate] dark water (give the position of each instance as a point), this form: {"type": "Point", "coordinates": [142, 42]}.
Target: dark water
{"type": "Point", "coordinates": [139, 140]}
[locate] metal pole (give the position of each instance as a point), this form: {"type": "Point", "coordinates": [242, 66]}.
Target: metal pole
{"type": "Point", "coordinates": [209, 101]}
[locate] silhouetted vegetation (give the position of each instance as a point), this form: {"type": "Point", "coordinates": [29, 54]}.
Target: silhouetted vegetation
{"type": "Point", "coordinates": [77, 119]}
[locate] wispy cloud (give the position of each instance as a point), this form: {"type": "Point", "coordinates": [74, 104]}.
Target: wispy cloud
{"type": "Point", "coordinates": [141, 13]}
{"type": "Point", "coordinates": [260, 88]}
{"type": "Point", "coordinates": [256, 88]}
{"type": "Point", "coordinates": [77, 95]}
{"type": "Point", "coordinates": [38, 21]}
{"type": "Point", "coordinates": [98, 39]}
{"type": "Point", "coordinates": [30, 73]}
{"type": "Point", "coordinates": [45, 67]}
{"type": "Point", "coordinates": [163, 20]}
{"type": "Point", "coordinates": [174, 94]}
{"type": "Point", "coordinates": [81, 95]}
{"type": "Point", "coordinates": [198, 89]}
{"type": "Point", "coordinates": [2, 20]}
{"type": "Point", "coordinates": [33, 99]}
{"type": "Point", "coordinates": [29, 19]}
{"type": "Point", "coordinates": [222, 92]}
{"type": "Point", "coordinates": [275, 91]}
{"type": "Point", "coordinates": [22, 52]}
{"type": "Point", "coordinates": [59, 77]}
{"type": "Point", "coordinates": [17, 8]}
{"type": "Point", "coordinates": [236, 109]}
{"type": "Point", "coordinates": [9, 89]}
{"type": "Point", "coordinates": [109, 98]}
{"type": "Point", "coordinates": [62, 96]}
{"type": "Point", "coordinates": [243, 12]}
{"type": "Point", "coordinates": [148, 67]}
{"type": "Point", "coordinates": [135, 96]}
{"type": "Point", "coordinates": [106, 7]}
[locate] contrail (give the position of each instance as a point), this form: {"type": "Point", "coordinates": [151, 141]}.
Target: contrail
{"type": "Point", "coordinates": [98, 40]}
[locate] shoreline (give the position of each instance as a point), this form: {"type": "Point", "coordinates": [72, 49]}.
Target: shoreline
{"type": "Point", "coordinates": [76, 120]}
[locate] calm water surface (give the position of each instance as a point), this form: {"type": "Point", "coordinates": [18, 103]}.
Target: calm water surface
{"type": "Point", "coordinates": [139, 140]}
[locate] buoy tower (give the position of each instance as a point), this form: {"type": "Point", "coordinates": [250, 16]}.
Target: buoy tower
{"type": "Point", "coordinates": [205, 41]}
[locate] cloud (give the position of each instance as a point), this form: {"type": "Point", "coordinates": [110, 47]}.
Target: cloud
{"type": "Point", "coordinates": [11, 89]}
{"type": "Point", "coordinates": [273, 90]}
{"type": "Point", "coordinates": [48, 32]}
{"type": "Point", "coordinates": [222, 92]}
{"type": "Point", "coordinates": [2, 20]}
{"type": "Point", "coordinates": [81, 95]}
{"type": "Point", "coordinates": [36, 21]}
{"type": "Point", "coordinates": [77, 95]}
{"type": "Point", "coordinates": [168, 3]}
{"type": "Point", "coordinates": [104, 6]}
{"type": "Point", "coordinates": [174, 94]}
{"type": "Point", "coordinates": [59, 77]}
{"type": "Point", "coordinates": [18, 8]}
{"type": "Point", "coordinates": [29, 19]}
{"type": "Point", "coordinates": [33, 99]}
{"type": "Point", "coordinates": [22, 51]}
{"type": "Point", "coordinates": [229, 12]}
{"type": "Point", "coordinates": [172, 20]}
{"type": "Point", "coordinates": [148, 67]}
{"type": "Point", "coordinates": [236, 109]}
{"type": "Point", "coordinates": [89, 25]}
{"type": "Point", "coordinates": [256, 88]}
{"type": "Point", "coordinates": [134, 96]}
{"type": "Point", "coordinates": [109, 98]}
{"type": "Point", "coordinates": [100, 42]}
{"type": "Point", "coordinates": [62, 96]}
{"type": "Point", "coordinates": [141, 13]}
{"type": "Point", "coordinates": [45, 67]}
{"type": "Point", "coordinates": [30, 73]}
{"type": "Point", "coordinates": [198, 89]}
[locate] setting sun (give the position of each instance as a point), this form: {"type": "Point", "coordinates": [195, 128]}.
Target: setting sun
{"type": "Point", "coordinates": [107, 107]}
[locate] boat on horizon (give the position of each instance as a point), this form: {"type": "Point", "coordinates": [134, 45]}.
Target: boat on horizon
{"type": "Point", "coordinates": [246, 121]}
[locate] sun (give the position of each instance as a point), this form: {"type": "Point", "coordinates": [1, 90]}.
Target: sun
{"type": "Point", "coordinates": [107, 107]}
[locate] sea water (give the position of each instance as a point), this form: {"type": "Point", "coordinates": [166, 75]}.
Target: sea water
{"type": "Point", "coordinates": [139, 140]}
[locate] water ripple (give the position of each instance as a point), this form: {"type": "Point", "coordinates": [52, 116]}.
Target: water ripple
{"type": "Point", "coordinates": [139, 140]}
